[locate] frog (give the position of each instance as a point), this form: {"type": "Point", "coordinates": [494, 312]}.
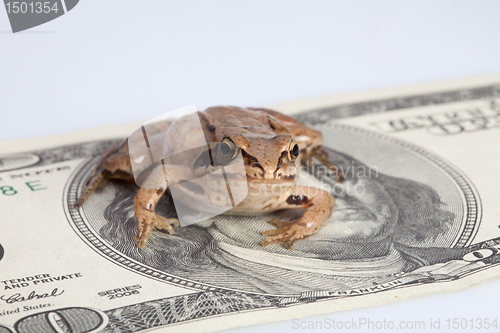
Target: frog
{"type": "Point", "coordinates": [273, 147]}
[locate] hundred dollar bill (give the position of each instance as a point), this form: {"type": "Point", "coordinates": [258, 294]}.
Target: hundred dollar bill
{"type": "Point", "coordinates": [419, 203]}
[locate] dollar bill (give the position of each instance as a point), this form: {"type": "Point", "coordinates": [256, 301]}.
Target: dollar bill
{"type": "Point", "coordinates": [419, 205]}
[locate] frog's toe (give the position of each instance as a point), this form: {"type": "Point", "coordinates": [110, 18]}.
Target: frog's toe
{"type": "Point", "coordinates": [286, 234]}
{"type": "Point", "coordinates": [142, 235]}
{"type": "Point", "coordinates": [276, 235]}
{"type": "Point", "coordinates": [274, 232]}
{"type": "Point", "coordinates": [285, 237]}
{"type": "Point", "coordinates": [149, 222]}
{"type": "Point", "coordinates": [142, 242]}
{"type": "Point", "coordinates": [280, 237]}
{"type": "Point", "coordinates": [165, 223]}
{"type": "Point", "coordinates": [279, 224]}
{"type": "Point", "coordinates": [289, 233]}
{"type": "Point", "coordinates": [281, 227]}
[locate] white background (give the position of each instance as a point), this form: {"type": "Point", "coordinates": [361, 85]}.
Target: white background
{"type": "Point", "coordinates": [116, 61]}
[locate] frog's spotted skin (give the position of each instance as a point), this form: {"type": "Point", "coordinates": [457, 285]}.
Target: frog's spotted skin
{"type": "Point", "coordinates": [270, 143]}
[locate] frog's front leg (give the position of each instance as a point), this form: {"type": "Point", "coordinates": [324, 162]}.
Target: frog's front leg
{"type": "Point", "coordinates": [152, 189]}
{"type": "Point", "coordinates": [319, 206]}
{"type": "Point", "coordinates": [145, 204]}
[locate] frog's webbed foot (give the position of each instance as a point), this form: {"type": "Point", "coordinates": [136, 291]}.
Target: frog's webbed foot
{"type": "Point", "coordinates": [167, 223]}
{"type": "Point", "coordinates": [152, 220]}
{"type": "Point", "coordinates": [289, 233]}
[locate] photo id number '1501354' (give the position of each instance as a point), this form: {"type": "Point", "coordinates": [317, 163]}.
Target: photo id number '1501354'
{"type": "Point", "coordinates": [32, 7]}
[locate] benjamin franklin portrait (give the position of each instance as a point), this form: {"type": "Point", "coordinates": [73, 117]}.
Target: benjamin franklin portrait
{"type": "Point", "coordinates": [383, 224]}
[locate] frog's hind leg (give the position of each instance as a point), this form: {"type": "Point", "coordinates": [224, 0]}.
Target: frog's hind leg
{"type": "Point", "coordinates": [113, 164]}
{"type": "Point", "coordinates": [322, 155]}
{"type": "Point", "coordinates": [92, 184]}
{"type": "Point", "coordinates": [306, 137]}
{"type": "Point", "coordinates": [147, 219]}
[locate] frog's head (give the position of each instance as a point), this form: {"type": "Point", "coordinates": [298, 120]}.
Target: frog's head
{"type": "Point", "coordinates": [266, 145]}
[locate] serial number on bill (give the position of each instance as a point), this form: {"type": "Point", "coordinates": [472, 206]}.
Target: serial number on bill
{"type": "Point", "coordinates": [46, 7]}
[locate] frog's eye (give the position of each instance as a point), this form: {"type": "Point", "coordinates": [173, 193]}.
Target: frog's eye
{"type": "Point", "coordinates": [293, 150]}
{"type": "Point", "coordinates": [227, 151]}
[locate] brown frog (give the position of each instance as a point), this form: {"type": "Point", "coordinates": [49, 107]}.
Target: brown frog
{"type": "Point", "coordinates": [272, 146]}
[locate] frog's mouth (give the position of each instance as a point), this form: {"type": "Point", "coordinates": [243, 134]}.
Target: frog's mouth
{"type": "Point", "coordinates": [284, 179]}
{"type": "Point", "coordinates": [218, 173]}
